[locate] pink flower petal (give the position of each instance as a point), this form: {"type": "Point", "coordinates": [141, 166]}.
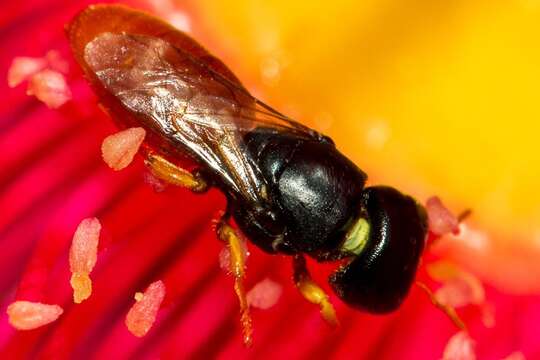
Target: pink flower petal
{"type": "Point", "coordinates": [156, 184]}
{"type": "Point", "coordinates": [142, 314]}
{"type": "Point", "coordinates": [225, 259]}
{"type": "Point", "coordinates": [50, 87]}
{"type": "Point", "coordinates": [264, 294]}
{"type": "Point", "coordinates": [22, 68]}
{"type": "Point", "coordinates": [488, 315]}
{"type": "Point", "coordinates": [119, 149]}
{"type": "Point", "coordinates": [83, 252]}
{"type": "Point", "coordinates": [27, 315]}
{"type": "Point", "coordinates": [83, 257]}
{"type": "Point", "coordinates": [460, 288]}
{"type": "Point", "coordinates": [39, 226]}
{"type": "Point", "coordinates": [459, 347]}
{"type": "Point", "coordinates": [458, 293]}
{"type": "Point", "coordinates": [441, 220]}
{"type": "Point", "coordinates": [509, 266]}
{"type": "Point", "coordinates": [56, 62]}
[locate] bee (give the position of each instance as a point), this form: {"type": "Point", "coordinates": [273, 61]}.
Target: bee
{"type": "Point", "coordinates": [288, 188]}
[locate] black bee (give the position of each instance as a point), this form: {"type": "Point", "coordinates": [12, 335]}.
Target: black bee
{"type": "Point", "coordinates": [289, 189]}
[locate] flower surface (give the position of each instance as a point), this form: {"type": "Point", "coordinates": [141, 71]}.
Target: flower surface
{"type": "Point", "coordinates": [380, 89]}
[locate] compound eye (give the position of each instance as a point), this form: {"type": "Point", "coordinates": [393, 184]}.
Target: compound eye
{"type": "Point", "coordinates": [380, 276]}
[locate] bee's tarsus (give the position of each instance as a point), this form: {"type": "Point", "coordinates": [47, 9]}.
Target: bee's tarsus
{"type": "Point", "coordinates": [288, 188]}
{"type": "Point", "coordinates": [238, 269]}
{"type": "Point", "coordinates": [311, 291]}
{"type": "Point", "coordinates": [172, 174]}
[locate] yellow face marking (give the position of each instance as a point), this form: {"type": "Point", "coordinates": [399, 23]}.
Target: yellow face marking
{"type": "Point", "coordinates": [356, 238]}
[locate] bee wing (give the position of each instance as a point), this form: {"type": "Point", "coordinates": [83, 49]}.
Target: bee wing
{"type": "Point", "coordinates": [181, 99]}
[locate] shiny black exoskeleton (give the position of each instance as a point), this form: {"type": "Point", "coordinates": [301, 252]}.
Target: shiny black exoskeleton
{"type": "Point", "coordinates": [317, 194]}
{"type": "Point", "coordinates": [379, 278]}
{"type": "Point", "coordinates": [288, 187]}
{"type": "Point", "coordinates": [315, 190]}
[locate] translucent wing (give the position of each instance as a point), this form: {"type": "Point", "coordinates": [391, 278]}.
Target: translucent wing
{"type": "Point", "coordinates": [186, 102]}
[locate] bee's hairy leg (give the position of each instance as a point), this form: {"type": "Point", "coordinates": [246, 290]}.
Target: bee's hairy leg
{"type": "Point", "coordinates": [167, 171]}
{"type": "Point", "coordinates": [311, 291]}
{"type": "Point", "coordinates": [238, 269]}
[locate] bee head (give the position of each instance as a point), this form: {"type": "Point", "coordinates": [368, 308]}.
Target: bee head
{"type": "Point", "coordinates": [385, 244]}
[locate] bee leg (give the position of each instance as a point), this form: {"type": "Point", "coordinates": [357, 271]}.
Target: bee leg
{"type": "Point", "coordinates": [172, 174]}
{"type": "Point", "coordinates": [311, 291]}
{"type": "Point", "coordinates": [238, 267]}
{"type": "Point", "coordinates": [447, 310]}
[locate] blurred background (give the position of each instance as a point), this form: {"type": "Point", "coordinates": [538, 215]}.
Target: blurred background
{"type": "Point", "coordinates": [437, 97]}
{"type": "Point", "coordinates": [434, 98]}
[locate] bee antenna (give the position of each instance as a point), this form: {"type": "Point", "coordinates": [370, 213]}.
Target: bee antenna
{"type": "Point", "coordinates": [447, 310]}
{"type": "Point", "coordinates": [464, 215]}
